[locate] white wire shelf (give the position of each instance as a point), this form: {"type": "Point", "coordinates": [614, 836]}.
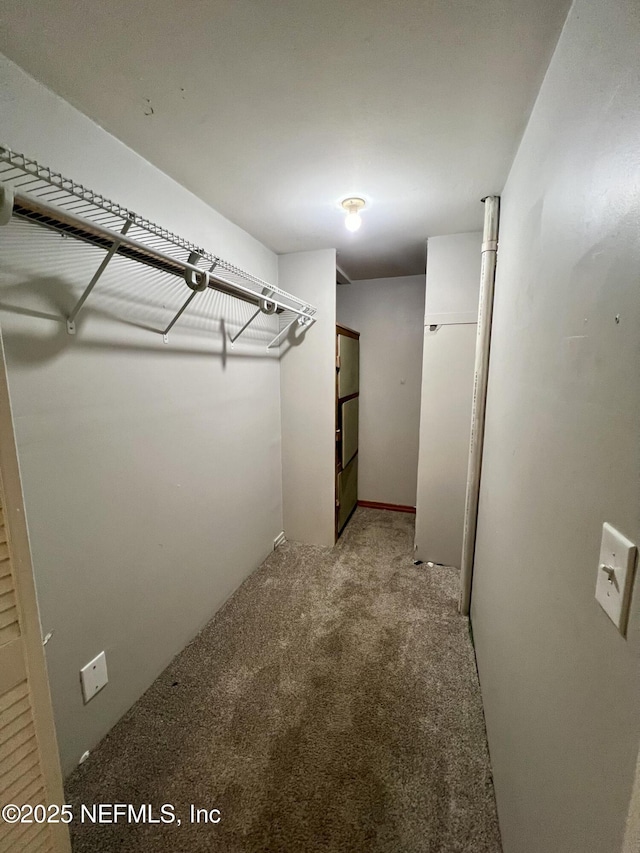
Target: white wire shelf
{"type": "Point", "coordinates": [36, 193]}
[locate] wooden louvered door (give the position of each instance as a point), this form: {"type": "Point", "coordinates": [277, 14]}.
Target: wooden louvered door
{"type": "Point", "coordinates": [29, 763]}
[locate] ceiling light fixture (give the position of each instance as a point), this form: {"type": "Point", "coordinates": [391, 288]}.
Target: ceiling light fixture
{"type": "Point", "coordinates": [353, 206]}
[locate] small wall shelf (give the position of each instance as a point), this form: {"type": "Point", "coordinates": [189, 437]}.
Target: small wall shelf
{"type": "Point", "coordinates": [37, 194]}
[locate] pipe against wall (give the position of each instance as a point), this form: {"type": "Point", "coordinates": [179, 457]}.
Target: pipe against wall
{"type": "Point", "coordinates": [483, 345]}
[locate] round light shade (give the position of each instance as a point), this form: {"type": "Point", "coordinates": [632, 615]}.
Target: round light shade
{"type": "Point", "coordinates": [353, 206]}
{"type": "Point", "coordinates": [353, 221]}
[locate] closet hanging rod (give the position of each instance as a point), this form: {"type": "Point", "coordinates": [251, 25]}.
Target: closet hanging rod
{"type": "Point", "coordinates": [37, 194]}
{"type": "Point", "coordinates": [63, 221]}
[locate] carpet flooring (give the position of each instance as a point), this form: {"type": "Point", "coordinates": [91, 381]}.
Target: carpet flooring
{"type": "Point", "coordinates": [331, 706]}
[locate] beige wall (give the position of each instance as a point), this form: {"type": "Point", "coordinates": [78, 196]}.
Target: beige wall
{"type": "Point", "coordinates": [445, 426]}
{"type": "Point", "coordinates": [151, 472]}
{"type": "Point", "coordinates": [562, 451]}
{"type": "Point", "coordinates": [307, 385]}
{"type": "Point", "coordinates": [388, 314]}
{"type": "Point", "coordinates": [632, 831]}
{"type": "Point", "coordinates": [453, 283]}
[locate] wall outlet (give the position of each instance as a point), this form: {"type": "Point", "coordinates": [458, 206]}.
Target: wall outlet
{"type": "Point", "coordinates": [279, 540]}
{"type": "Point", "coordinates": [93, 677]}
{"type": "Point", "coordinates": [615, 576]}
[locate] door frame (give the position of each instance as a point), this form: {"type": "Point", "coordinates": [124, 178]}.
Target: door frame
{"type": "Point", "coordinates": [27, 651]}
{"type": "Point", "coordinates": [349, 333]}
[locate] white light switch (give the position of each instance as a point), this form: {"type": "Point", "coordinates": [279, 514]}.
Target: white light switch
{"type": "Point", "coordinates": [615, 575]}
{"type": "Point", "coordinates": [93, 676]}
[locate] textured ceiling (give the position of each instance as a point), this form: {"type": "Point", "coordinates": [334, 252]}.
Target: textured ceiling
{"type": "Point", "coordinates": [274, 110]}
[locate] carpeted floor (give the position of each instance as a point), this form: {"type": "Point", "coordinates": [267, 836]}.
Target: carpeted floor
{"type": "Point", "coordinates": [331, 705]}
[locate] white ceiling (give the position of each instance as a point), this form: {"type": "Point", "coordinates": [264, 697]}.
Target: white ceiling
{"type": "Point", "coordinates": [274, 110]}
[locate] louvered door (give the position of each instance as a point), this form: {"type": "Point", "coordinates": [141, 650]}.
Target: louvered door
{"type": "Point", "coordinates": [29, 765]}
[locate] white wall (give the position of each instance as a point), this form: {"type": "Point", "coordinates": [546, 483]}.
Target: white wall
{"type": "Point", "coordinates": [388, 314]}
{"type": "Point", "coordinates": [453, 283]}
{"type": "Point", "coordinates": [307, 386]}
{"type": "Point", "coordinates": [453, 278]}
{"type": "Point", "coordinates": [562, 450]}
{"type": "Point", "coordinates": [152, 472]}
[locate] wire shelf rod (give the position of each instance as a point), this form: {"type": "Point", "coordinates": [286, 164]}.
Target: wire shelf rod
{"type": "Point", "coordinates": [35, 209]}
{"type": "Point", "coordinates": [53, 186]}
{"type": "Point", "coordinates": [39, 195]}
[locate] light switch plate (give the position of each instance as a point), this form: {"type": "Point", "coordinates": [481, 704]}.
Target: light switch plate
{"type": "Point", "coordinates": [93, 676]}
{"type": "Point", "coordinates": [615, 575]}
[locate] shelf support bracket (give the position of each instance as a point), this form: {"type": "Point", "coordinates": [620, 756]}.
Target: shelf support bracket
{"type": "Point", "coordinates": [6, 205]}
{"type": "Point", "coordinates": [265, 306]}
{"type": "Point", "coordinates": [197, 286]}
{"type": "Point", "coordinates": [301, 321]}
{"type": "Point", "coordinates": [235, 337]}
{"type": "Point", "coordinates": [189, 299]}
{"type": "Point", "coordinates": [71, 319]}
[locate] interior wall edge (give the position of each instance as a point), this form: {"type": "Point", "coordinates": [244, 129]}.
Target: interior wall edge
{"type": "Point", "coordinates": [307, 393]}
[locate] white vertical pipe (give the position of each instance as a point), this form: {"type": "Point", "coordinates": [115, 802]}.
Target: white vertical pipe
{"type": "Point", "coordinates": [483, 345]}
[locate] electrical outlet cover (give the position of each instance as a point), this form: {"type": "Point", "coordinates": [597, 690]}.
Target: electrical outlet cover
{"type": "Point", "coordinates": [615, 575]}
{"type": "Point", "coordinates": [93, 676]}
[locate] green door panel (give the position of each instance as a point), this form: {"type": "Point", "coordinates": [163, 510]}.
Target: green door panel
{"type": "Point", "coordinates": [349, 430]}
{"type": "Point", "coordinates": [347, 491]}
{"type": "Point", "coordinates": [349, 373]}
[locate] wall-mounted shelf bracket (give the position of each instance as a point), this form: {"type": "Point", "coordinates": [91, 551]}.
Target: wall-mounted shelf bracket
{"type": "Point", "coordinates": [6, 205]}
{"type": "Point", "coordinates": [265, 306]}
{"type": "Point", "coordinates": [234, 338]}
{"type": "Point", "coordinates": [189, 299]}
{"type": "Point", "coordinates": [197, 286]}
{"type": "Point", "coordinates": [303, 321]}
{"type": "Point", "coordinates": [71, 319]}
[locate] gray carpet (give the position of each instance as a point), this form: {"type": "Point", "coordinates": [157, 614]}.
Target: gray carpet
{"type": "Point", "coordinates": [331, 705]}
